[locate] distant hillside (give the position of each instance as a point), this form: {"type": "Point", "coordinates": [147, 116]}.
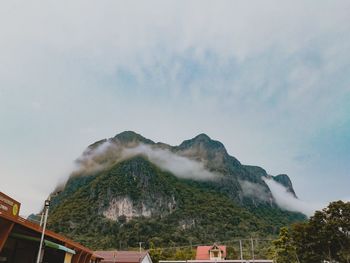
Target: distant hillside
{"type": "Point", "coordinates": [129, 189]}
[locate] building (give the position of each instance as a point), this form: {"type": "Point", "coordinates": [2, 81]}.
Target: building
{"type": "Point", "coordinates": [124, 256]}
{"type": "Point", "coordinates": [19, 240]}
{"type": "Point", "coordinates": [213, 252]}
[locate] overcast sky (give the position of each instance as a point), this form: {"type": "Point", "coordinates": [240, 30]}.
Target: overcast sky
{"type": "Point", "coordinates": [269, 79]}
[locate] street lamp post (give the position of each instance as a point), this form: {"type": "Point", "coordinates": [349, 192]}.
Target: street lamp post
{"type": "Point", "coordinates": [41, 252]}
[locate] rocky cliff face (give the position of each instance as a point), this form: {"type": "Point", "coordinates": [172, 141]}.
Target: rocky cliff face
{"type": "Point", "coordinates": [128, 180]}
{"type": "Point", "coordinates": [284, 180]}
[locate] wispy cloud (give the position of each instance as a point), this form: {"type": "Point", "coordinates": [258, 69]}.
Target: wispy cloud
{"type": "Point", "coordinates": [109, 153]}
{"type": "Point", "coordinates": [287, 201]}
{"type": "Point", "coordinates": [256, 191]}
{"type": "Point", "coordinates": [266, 78]}
{"type": "Point", "coordinates": [180, 166]}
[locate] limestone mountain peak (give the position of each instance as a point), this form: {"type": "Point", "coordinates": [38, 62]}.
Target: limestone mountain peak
{"type": "Point", "coordinates": [131, 136]}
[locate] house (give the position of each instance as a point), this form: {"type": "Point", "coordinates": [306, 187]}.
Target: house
{"type": "Point", "coordinates": [213, 252]}
{"type": "Point", "coordinates": [124, 256]}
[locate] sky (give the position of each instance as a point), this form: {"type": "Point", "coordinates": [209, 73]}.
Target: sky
{"type": "Point", "coordinates": [269, 79]}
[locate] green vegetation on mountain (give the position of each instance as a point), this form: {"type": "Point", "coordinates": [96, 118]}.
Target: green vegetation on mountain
{"type": "Point", "coordinates": [119, 196]}
{"type": "Point", "coordinates": [177, 210]}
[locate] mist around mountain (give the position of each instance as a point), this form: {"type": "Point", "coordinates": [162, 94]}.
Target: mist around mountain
{"type": "Point", "coordinates": [128, 189]}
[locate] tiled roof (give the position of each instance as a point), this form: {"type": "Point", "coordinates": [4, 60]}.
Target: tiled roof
{"type": "Point", "coordinates": [203, 252]}
{"type": "Point", "coordinates": [121, 256]}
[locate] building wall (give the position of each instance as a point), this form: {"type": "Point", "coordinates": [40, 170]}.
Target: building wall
{"type": "Point", "coordinates": [218, 254]}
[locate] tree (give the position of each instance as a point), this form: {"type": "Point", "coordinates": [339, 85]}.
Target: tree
{"type": "Point", "coordinates": [155, 253]}
{"type": "Point", "coordinates": [336, 225]}
{"type": "Point", "coordinates": [306, 242]}
{"type": "Point", "coordinates": [231, 253]}
{"type": "Point", "coordinates": [326, 236]}
{"type": "Point", "coordinates": [283, 249]}
{"type": "Point", "coordinates": [184, 254]}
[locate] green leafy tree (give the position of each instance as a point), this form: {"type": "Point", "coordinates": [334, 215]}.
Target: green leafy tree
{"type": "Point", "coordinates": [231, 253]}
{"type": "Point", "coordinates": [284, 250]}
{"type": "Point", "coordinates": [326, 236]}
{"type": "Point", "coordinates": [306, 243]}
{"type": "Point", "coordinates": [185, 254]}
{"type": "Point", "coordinates": [155, 253]}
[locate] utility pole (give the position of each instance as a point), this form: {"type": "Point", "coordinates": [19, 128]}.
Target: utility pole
{"type": "Point", "coordinates": [240, 249]}
{"type": "Point", "coordinates": [41, 251]}
{"type": "Point", "coordinates": [43, 225]}
{"type": "Point", "coordinates": [41, 219]}
{"type": "Point", "coordinates": [253, 256]}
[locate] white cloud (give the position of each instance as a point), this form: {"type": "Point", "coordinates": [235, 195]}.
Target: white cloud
{"type": "Point", "coordinates": [109, 153]}
{"type": "Point", "coordinates": [254, 190]}
{"type": "Point", "coordinates": [178, 165]}
{"type": "Point", "coordinates": [260, 76]}
{"type": "Point", "coordinates": [287, 201]}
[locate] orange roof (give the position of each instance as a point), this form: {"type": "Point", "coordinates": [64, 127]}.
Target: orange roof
{"type": "Point", "coordinates": [121, 256]}
{"type": "Point", "coordinates": [203, 252]}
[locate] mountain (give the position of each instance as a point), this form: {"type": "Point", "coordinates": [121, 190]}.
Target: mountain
{"type": "Point", "coordinates": [129, 189]}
